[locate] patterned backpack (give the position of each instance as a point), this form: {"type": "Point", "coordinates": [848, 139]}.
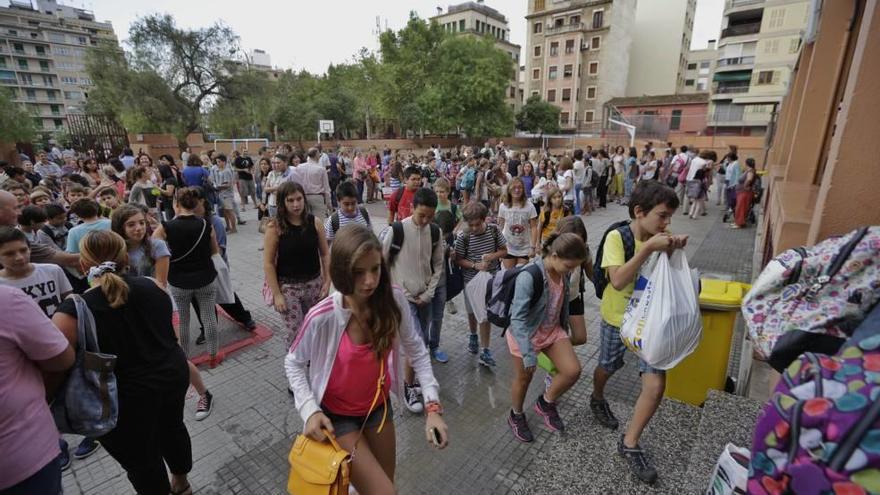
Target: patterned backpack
{"type": "Point", "coordinates": [811, 299]}
{"type": "Point", "coordinates": [820, 432]}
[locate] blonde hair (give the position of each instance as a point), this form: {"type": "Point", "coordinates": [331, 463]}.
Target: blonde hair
{"type": "Point", "coordinates": [104, 245]}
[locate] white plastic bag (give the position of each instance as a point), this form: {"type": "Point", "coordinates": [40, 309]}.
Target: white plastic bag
{"type": "Point", "coordinates": [225, 294]}
{"type": "Point", "coordinates": [731, 473]}
{"type": "Point", "coordinates": [475, 291]}
{"type": "Point", "coordinates": [662, 323]}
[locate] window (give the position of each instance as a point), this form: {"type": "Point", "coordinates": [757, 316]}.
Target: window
{"type": "Point", "coordinates": [588, 116]}
{"type": "Point", "coordinates": [566, 94]}
{"type": "Point", "coordinates": [675, 121]}
{"type": "Point", "coordinates": [552, 73]}
{"type": "Point", "coordinates": [558, 22]}
{"type": "Point", "coordinates": [536, 28]}
{"type": "Point", "coordinates": [536, 74]}
{"type": "Point", "coordinates": [52, 95]}
{"type": "Point", "coordinates": [594, 68]}
{"type": "Point", "coordinates": [594, 42]}
{"type": "Point", "coordinates": [598, 17]}
{"type": "Point", "coordinates": [554, 48]}
{"type": "Point", "coordinates": [57, 37]}
{"type": "Point", "coordinates": [777, 18]}
{"type": "Point", "coordinates": [72, 95]}
{"type": "Point", "coordinates": [44, 66]}
{"type": "Point", "coordinates": [551, 95]}
{"type": "Point", "coordinates": [575, 19]}
{"type": "Point", "coordinates": [535, 93]}
{"type": "Point", "coordinates": [569, 47]}
{"type": "Point", "coordinates": [537, 50]}
{"type": "Point", "coordinates": [81, 40]}
{"type": "Point", "coordinates": [539, 4]}
{"type": "Point", "coordinates": [22, 64]}
{"type": "Point", "coordinates": [68, 80]}
{"type": "Point", "coordinates": [591, 93]}
{"type": "Point", "coordinates": [692, 66]}
{"type": "Point", "coordinates": [41, 50]}
{"type": "Point", "coordinates": [512, 92]}
{"type": "Point", "coordinates": [688, 82]}
{"type": "Point", "coordinates": [567, 71]}
{"type": "Point", "coordinates": [85, 80]}
{"type": "Point", "coordinates": [55, 109]}
{"type": "Point", "coordinates": [31, 94]}
{"type": "Point", "coordinates": [766, 77]}
{"type": "Point", "coordinates": [461, 26]}
{"type": "Point", "coordinates": [794, 45]}
{"type": "Point", "coordinates": [59, 124]}
{"type": "Point", "coordinates": [18, 47]}
{"type": "Point", "coordinates": [563, 118]}
{"type": "Point", "coordinates": [13, 32]}
{"type": "Point", "coordinates": [704, 65]}
{"type": "Point", "coordinates": [2, 63]}
{"type": "Point", "coordinates": [702, 84]}
{"type": "Point", "coordinates": [7, 76]}
{"type": "Point", "coordinates": [771, 46]}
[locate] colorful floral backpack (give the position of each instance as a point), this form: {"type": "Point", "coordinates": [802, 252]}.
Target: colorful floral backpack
{"type": "Point", "coordinates": [811, 299]}
{"type": "Point", "coordinates": [820, 432]}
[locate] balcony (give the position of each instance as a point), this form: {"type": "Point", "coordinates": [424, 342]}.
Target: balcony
{"type": "Point", "coordinates": [566, 28]}
{"type": "Point", "coordinates": [732, 88]}
{"type": "Point", "coordinates": [732, 4]}
{"type": "Point", "coordinates": [741, 29]}
{"type": "Point", "coordinates": [724, 62]}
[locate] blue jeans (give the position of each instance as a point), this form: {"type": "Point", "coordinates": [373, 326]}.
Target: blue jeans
{"type": "Point", "coordinates": [627, 187]}
{"type": "Point", "coordinates": [577, 198]}
{"type": "Point", "coordinates": [360, 188]}
{"type": "Point", "coordinates": [46, 481]}
{"type": "Point", "coordinates": [421, 318]}
{"type": "Point", "coordinates": [438, 304]}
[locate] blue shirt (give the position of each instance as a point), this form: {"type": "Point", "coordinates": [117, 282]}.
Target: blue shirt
{"type": "Point", "coordinates": [194, 176]}
{"type": "Point", "coordinates": [77, 233]}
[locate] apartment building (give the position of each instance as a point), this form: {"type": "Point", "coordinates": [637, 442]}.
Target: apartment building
{"type": "Point", "coordinates": [43, 55]}
{"type": "Point", "coordinates": [698, 70]}
{"type": "Point", "coordinates": [477, 18]}
{"type": "Point", "coordinates": [661, 40]}
{"type": "Point", "coordinates": [758, 49]}
{"type": "Point", "coordinates": [577, 56]}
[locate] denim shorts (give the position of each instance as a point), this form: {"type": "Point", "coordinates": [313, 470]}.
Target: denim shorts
{"type": "Point", "coordinates": [612, 349]}
{"type": "Point", "coordinates": [346, 424]}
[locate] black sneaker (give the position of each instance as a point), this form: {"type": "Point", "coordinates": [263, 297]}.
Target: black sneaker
{"type": "Point", "coordinates": [603, 413]}
{"type": "Point", "coordinates": [200, 340]}
{"type": "Point", "coordinates": [548, 411]}
{"type": "Point", "coordinates": [204, 406]}
{"type": "Point", "coordinates": [64, 456]}
{"type": "Point", "coordinates": [638, 462]}
{"type": "Point", "coordinates": [520, 427]}
{"type": "Point", "coordinates": [250, 325]}
{"type": "Point", "coordinates": [412, 398]}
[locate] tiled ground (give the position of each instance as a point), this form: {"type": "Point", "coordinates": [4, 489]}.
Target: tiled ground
{"type": "Point", "coordinates": [242, 447]}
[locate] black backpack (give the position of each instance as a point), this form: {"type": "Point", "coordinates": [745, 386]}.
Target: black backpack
{"type": "Point", "coordinates": [500, 291]}
{"type": "Point", "coordinates": [334, 218]}
{"type": "Point", "coordinates": [600, 280]}
{"type": "Point", "coordinates": [397, 238]}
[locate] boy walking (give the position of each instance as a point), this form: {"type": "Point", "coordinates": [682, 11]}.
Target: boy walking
{"type": "Point", "coordinates": [478, 249]}
{"type": "Point", "coordinates": [651, 208]}
{"type": "Point", "coordinates": [346, 196]}
{"type": "Point", "coordinates": [400, 205]}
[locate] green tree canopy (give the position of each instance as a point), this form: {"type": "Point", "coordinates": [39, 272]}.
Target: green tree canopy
{"type": "Point", "coordinates": [538, 116]}
{"type": "Point", "coordinates": [16, 124]}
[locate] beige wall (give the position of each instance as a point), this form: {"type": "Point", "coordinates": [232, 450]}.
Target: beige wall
{"type": "Point", "coordinates": [660, 40]}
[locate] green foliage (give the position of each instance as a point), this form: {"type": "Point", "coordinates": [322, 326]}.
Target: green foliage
{"type": "Point", "coordinates": [16, 124]}
{"type": "Point", "coordinates": [538, 116]}
{"type": "Point", "coordinates": [246, 108]}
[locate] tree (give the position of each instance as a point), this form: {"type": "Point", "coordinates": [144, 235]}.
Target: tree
{"type": "Point", "coordinates": [246, 108]}
{"type": "Point", "coordinates": [16, 124]}
{"type": "Point", "coordinates": [538, 116]}
{"type": "Point", "coordinates": [294, 108]}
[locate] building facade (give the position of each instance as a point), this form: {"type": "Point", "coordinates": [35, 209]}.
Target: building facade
{"type": "Point", "coordinates": [477, 18]}
{"type": "Point", "coordinates": [757, 51]}
{"type": "Point", "coordinates": [43, 49]}
{"type": "Point", "coordinates": [698, 70]}
{"type": "Point", "coordinates": [661, 40]}
{"type": "Point", "coordinates": [656, 116]}
{"type": "Point", "coordinates": [577, 57]}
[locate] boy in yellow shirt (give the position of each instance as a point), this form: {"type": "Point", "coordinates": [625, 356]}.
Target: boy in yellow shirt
{"type": "Point", "coordinates": [651, 207]}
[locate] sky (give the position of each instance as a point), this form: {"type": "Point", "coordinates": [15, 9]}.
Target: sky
{"type": "Point", "coordinates": [302, 34]}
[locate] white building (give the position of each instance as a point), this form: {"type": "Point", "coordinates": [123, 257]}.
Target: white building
{"type": "Point", "coordinates": [661, 39]}
{"type": "Point", "coordinates": [698, 72]}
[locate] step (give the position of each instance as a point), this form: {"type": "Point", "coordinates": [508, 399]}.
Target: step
{"type": "Point", "coordinates": [585, 460]}
{"type": "Point", "coordinates": [725, 418]}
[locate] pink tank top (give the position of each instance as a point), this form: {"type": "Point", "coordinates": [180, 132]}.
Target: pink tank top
{"type": "Point", "coordinates": [352, 384]}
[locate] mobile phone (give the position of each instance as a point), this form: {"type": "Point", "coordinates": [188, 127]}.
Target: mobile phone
{"type": "Point", "coordinates": [435, 433]}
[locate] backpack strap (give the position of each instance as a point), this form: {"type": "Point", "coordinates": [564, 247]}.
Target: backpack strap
{"type": "Point", "coordinates": [366, 215]}
{"type": "Point", "coordinates": [629, 241]}
{"type": "Point", "coordinates": [396, 242]}
{"type": "Point", "coordinates": [454, 209]}
{"type": "Point", "coordinates": [537, 282]}
{"type": "Point", "coordinates": [435, 236]}
{"type": "Point", "coordinates": [334, 221]}
{"type": "Point", "coordinates": [398, 195]}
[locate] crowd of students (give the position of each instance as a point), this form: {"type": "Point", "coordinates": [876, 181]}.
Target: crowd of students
{"type": "Point", "coordinates": [451, 215]}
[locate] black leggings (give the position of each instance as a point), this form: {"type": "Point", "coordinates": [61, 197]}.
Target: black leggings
{"type": "Point", "coordinates": [235, 310]}
{"type": "Point", "coordinates": [150, 433]}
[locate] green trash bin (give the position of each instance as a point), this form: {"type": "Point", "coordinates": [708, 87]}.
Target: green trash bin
{"type": "Point", "coordinates": [706, 367]}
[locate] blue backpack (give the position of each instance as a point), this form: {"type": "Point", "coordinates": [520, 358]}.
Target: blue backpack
{"type": "Point", "coordinates": [469, 180]}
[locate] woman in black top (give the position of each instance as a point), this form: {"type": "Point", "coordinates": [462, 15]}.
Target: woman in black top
{"type": "Point", "coordinates": [133, 321]}
{"type": "Point", "coordinates": [296, 258]}
{"type": "Point", "coordinates": [191, 275]}
{"type": "Point", "coordinates": [166, 189]}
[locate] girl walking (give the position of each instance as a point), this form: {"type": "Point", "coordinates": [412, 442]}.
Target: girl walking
{"type": "Point", "coordinates": [338, 364]}
{"type": "Point", "coordinates": [295, 258]}
{"type": "Point", "coordinates": [553, 213]}
{"type": "Point", "coordinates": [518, 222]}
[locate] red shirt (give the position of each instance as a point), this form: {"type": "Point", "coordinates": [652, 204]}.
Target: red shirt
{"type": "Point", "coordinates": [352, 383]}
{"type": "Point", "coordinates": [404, 208]}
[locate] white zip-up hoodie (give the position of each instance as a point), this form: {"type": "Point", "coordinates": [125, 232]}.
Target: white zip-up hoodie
{"type": "Point", "coordinates": [309, 362]}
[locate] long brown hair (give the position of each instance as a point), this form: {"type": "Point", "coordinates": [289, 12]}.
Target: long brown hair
{"type": "Point", "coordinates": [282, 224]}
{"type": "Point", "coordinates": [351, 242]}
{"type": "Point", "coordinates": [568, 246]}
{"type": "Point", "coordinates": [104, 245]}
{"type": "Point", "coordinates": [117, 224]}
{"type": "Point", "coordinates": [507, 199]}
{"type": "Point", "coordinates": [574, 225]}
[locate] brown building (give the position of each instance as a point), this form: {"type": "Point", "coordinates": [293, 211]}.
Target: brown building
{"type": "Point", "coordinates": [823, 178]}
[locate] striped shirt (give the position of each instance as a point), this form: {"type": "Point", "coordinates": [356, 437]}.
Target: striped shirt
{"type": "Point", "coordinates": [472, 247]}
{"type": "Point", "coordinates": [343, 221]}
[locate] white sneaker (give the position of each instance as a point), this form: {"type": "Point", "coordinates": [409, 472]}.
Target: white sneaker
{"type": "Point", "coordinates": [450, 306]}
{"type": "Point", "coordinates": [413, 398]}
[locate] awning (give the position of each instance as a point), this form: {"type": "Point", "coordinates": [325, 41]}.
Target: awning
{"type": "Point", "coordinates": [732, 76]}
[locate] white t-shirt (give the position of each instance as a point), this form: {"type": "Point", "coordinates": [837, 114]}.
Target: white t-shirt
{"type": "Point", "coordinates": [45, 285]}
{"type": "Point", "coordinates": [696, 165]}
{"type": "Point", "coordinates": [618, 163]}
{"type": "Point", "coordinates": [538, 189]}
{"type": "Point", "coordinates": [649, 170]}
{"type": "Point", "coordinates": [580, 172]}
{"type": "Point", "coordinates": [517, 230]}
{"type": "Point", "coordinates": [562, 182]}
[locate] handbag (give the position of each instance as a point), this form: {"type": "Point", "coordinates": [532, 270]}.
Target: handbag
{"type": "Point", "coordinates": [87, 403]}
{"type": "Point", "coordinates": [323, 468]}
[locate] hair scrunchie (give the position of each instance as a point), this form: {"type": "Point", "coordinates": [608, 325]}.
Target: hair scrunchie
{"type": "Point", "coordinates": [97, 271]}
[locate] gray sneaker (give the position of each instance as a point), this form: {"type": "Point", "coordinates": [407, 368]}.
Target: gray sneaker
{"type": "Point", "coordinates": [603, 413]}
{"type": "Point", "coordinates": [638, 462]}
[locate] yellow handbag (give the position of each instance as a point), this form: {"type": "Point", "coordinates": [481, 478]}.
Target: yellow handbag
{"type": "Point", "coordinates": [321, 468]}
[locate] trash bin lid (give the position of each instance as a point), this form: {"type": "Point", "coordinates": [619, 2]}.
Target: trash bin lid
{"type": "Point", "coordinates": [721, 295]}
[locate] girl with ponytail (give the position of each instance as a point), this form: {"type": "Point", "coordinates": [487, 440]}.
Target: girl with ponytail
{"type": "Point", "coordinates": [132, 318]}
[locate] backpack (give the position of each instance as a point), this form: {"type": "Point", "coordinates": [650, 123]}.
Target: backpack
{"type": "Point", "coordinates": [600, 280]}
{"type": "Point", "coordinates": [500, 290]}
{"type": "Point", "coordinates": [594, 178]}
{"type": "Point", "coordinates": [820, 431]}
{"type": "Point", "coordinates": [397, 238]}
{"type": "Point", "coordinates": [469, 180]}
{"type": "Point", "coordinates": [46, 229]}
{"type": "Point", "coordinates": [454, 275]}
{"type": "Point", "coordinates": [334, 218]}
{"type": "Point", "coordinates": [811, 299]}
{"type": "Point", "coordinates": [683, 172]}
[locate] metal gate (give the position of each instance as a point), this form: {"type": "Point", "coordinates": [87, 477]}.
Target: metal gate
{"type": "Point", "coordinates": [96, 132]}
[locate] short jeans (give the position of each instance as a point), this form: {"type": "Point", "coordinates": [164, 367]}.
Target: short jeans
{"type": "Point", "coordinates": [346, 424]}
{"type": "Point", "coordinates": [612, 349]}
